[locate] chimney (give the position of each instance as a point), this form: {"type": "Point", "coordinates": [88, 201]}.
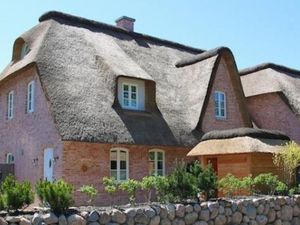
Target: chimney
{"type": "Point", "coordinates": [126, 23]}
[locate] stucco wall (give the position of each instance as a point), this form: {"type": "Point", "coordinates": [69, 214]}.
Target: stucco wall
{"type": "Point", "coordinates": [27, 134]}
{"type": "Point", "coordinates": [234, 119]}
{"type": "Point", "coordinates": [88, 163]}
{"type": "Point", "coordinates": [269, 111]}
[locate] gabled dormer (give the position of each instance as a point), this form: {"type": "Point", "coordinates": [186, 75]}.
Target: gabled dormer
{"type": "Point", "coordinates": [20, 50]}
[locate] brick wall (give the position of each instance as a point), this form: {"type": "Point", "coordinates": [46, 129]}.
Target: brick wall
{"type": "Point", "coordinates": [234, 119]}
{"type": "Point", "coordinates": [269, 111]}
{"type": "Point", "coordinates": [88, 163]}
{"type": "Point", "coordinates": [27, 134]}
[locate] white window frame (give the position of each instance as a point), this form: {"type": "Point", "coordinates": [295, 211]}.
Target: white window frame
{"type": "Point", "coordinates": [156, 161]}
{"type": "Point", "coordinates": [218, 106]}
{"type": "Point", "coordinates": [30, 96]}
{"type": "Point", "coordinates": [129, 96]}
{"type": "Point", "coordinates": [10, 159]}
{"type": "Point", "coordinates": [118, 163]}
{"type": "Point", "coordinates": [10, 105]}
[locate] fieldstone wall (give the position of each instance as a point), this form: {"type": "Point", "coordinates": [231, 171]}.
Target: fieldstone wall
{"type": "Point", "coordinates": [258, 211]}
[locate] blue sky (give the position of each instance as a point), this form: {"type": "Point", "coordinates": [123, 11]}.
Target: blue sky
{"type": "Point", "coordinates": [257, 31]}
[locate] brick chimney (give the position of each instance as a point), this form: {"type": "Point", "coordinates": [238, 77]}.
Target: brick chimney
{"type": "Point", "coordinates": [126, 23]}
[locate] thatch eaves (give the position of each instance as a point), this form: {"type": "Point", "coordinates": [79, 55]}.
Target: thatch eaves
{"type": "Point", "coordinates": [272, 78]}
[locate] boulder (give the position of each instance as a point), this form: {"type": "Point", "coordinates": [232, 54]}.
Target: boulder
{"type": "Point", "coordinates": [189, 209]}
{"type": "Point", "coordinates": [37, 219]}
{"type": "Point", "coordinates": [251, 212]}
{"type": "Point", "coordinates": [131, 212]}
{"type": "Point", "coordinates": [204, 215]}
{"type": "Point", "coordinates": [296, 221]}
{"type": "Point", "coordinates": [50, 218]}
{"type": "Point", "coordinates": [151, 212]}
{"type": "Point", "coordinates": [178, 221]}
{"type": "Point", "coordinates": [286, 213]}
{"type": "Point", "coordinates": [296, 211]}
{"type": "Point", "coordinates": [3, 221]}
{"type": "Point", "coordinates": [62, 220]}
{"type": "Point", "coordinates": [141, 218]}
{"type": "Point", "coordinates": [155, 220]}
{"type": "Point", "coordinates": [171, 211]}
{"type": "Point", "coordinates": [180, 210]}
{"type": "Point", "coordinates": [278, 222]}
{"type": "Point", "coordinates": [163, 212]}
{"type": "Point", "coordinates": [261, 220]}
{"type": "Point", "coordinates": [104, 217]}
{"type": "Point", "coordinates": [24, 221]}
{"type": "Point", "coordinates": [118, 216]}
{"type": "Point", "coordinates": [237, 218]}
{"type": "Point", "coordinates": [197, 208]}
{"type": "Point", "coordinates": [165, 221]}
{"type": "Point", "coordinates": [13, 219]}
{"type": "Point", "coordinates": [76, 220]}
{"type": "Point", "coordinates": [191, 218]}
{"type": "Point", "coordinates": [214, 213]}
{"type": "Point", "coordinates": [93, 216]}
{"type": "Point", "coordinates": [271, 215]}
{"type": "Point", "coordinates": [200, 223]}
{"type": "Point", "coordinates": [220, 220]}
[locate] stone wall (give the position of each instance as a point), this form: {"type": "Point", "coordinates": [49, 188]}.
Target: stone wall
{"type": "Point", "coordinates": [259, 211]}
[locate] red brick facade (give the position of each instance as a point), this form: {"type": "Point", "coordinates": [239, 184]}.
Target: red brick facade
{"type": "Point", "coordinates": [270, 111]}
{"type": "Point", "coordinates": [88, 163]}
{"type": "Point", "coordinates": [27, 134]}
{"type": "Point", "coordinates": [233, 119]}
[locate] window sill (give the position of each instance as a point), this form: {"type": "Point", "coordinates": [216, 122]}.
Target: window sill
{"type": "Point", "coordinates": [221, 118]}
{"type": "Point", "coordinates": [136, 112]}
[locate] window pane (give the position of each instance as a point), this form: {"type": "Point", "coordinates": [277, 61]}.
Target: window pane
{"type": "Point", "coordinates": [133, 95]}
{"type": "Point", "coordinates": [222, 104]}
{"type": "Point", "coordinates": [133, 88]}
{"type": "Point", "coordinates": [216, 111]}
{"type": "Point", "coordinates": [222, 112]}
{"type": "Point", "coordinates": [151, 155]}
{"type": "Point", "coordinates": [123, 155]}
{"type": "Point", "coordinates": [222, 97]}
{"type": "Point", "coordinates": [113, 173]}
{"type": "Point", "coordinates": [125, 87]}
{"type": "Point", "coordinates": [123, 175]}
{"type": "Point", "coordinates": [113, 155]}
{"type": "Point", "coordinates": [123, 165]}
{"type": "Point", "coordinates": [113, 165]}
{"type": "Point", "coordinates": [159, 165]}
{"type": "Point", "coordinates": [126, 102]}
{"type": "Point", "coordinates": [125, 95]}
{"type": "Point", "coordinates": [159, 156]}
{"type": "Point", "coordinates": [133, 103]}
{"type": "Point", "coordinates": [216, 96]}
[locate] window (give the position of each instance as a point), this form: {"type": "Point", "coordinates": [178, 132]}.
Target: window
{"type": "Point", "coordinates": [119, 164]}
{"type": "Point", "coordinates": [10, 158]}
{"type": "Point", "coordinates": [24, 50]}
{"type": "Point", "coordinates": [30, 97]}
{"type": "Point", "coordinates": [220, 104]}
{"type": "Point", "coordinates": [129, 96]}
{"type": "Point", "coordinates": [156, 162]}
{"type": "Point", "coordinates": [10, 105]}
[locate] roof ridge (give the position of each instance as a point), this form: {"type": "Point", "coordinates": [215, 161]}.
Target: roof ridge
{"type": "Point", "coordinates": [267, 65]}
{"type": "Point", "coordinates": [202, 56]}
{"type": "Point", "coordinates": [77, 20]}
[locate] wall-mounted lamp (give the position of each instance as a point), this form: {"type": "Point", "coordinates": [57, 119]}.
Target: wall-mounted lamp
{"type": "Point", "coordinates": [55, 159]}
{"type": "Point", "coordinates": [35, 161]}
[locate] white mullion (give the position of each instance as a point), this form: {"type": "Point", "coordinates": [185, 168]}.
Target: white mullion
{"type": "Point", "coordinates": [118, 165]}
{"type": "Point", "coordinates": [129, 97]}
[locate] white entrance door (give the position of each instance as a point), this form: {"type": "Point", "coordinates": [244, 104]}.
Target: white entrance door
{"type": "Point", "coordinates": [48, 164]}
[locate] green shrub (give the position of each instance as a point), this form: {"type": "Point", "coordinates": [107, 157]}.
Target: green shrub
{"type": "Point", "coordinates": [281, 188]}
{"type": "Point", "coordinates": [266, 183]}
{"type": "Point", "coordinates": [206, 179]}
{"type": "Point", "coordinates": [230, 185]}
{"type": "Point", "coordinates": [90, 191]}
{"type": "Point", "coordinates": [130, 186]}
{"type": "Point", "coordinates": [162, 187]}
{"type": "Point", "coordinates": [57, 195]}
{"type": "Point", "coordinates": [247, 184]}
{"type": "Point", "coordinates": [110, 186]}
{"type": "Point", "coordinates": [182, 184]}
{"type": "Point", "coordinates": [15, 195]}
{"type": "Point", "coordinates": [148, 184]}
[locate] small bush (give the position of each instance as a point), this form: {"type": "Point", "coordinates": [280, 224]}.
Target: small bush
{"type": "Point", "coordinates": [130, 186]}
{"type": "Point", "coordinates": [247, 184]}
{"type": "Point", "coordinates": [266, 183]}
{"type": "Point", "coordinates": [281, 188]}
{"type": "Point", "coordinates": [14, 194]}
{"type": "Point", "coordinates": [162, 189]}
{"type": "Point", "coordinates": [148, 184]}
{"type": "Point", "coordinates": [57, 195]}
{"type": "Point", "coordinates": [110, 186]}
{"type": "Point", "coordinates": [206, 179]}
{"type": "Point", "coordinates": [90, 191]}
{"type": "Point", "coordinates": [230, 185]}
{"type": "Point", "coordinates": [182, 184]}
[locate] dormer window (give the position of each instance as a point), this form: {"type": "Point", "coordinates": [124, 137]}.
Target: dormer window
{"type": "Point", "coordinates": [131, 93]}
{"type": "Point", "coordinates": [220, 105]}
{"type": "Point", "coordinates": [24, 50]}
{"type": "Point", "coordinates": [129, 96]}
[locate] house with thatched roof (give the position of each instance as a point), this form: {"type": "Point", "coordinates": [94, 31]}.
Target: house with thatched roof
{"type": "Point", "coordinates": [273, 97]}
{"type": "Point", "coordinates": [82, 99]}
{"type": "Point", "coordinates": [240, 151]}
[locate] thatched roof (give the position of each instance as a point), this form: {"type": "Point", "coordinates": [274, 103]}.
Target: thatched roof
{"type": "Point", "coordinates": [271, 78]}
{"type": "Point", "coordinates": [79, 61]}
{"type": "Point", "coordinates": [241, 140]}
{"type": "Point", "coordinates": [243, 132]}
{"type": "Point", "coordinates": [237, 145]}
